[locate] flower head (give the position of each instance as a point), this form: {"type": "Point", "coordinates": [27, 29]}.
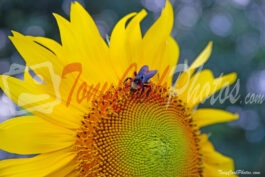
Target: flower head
{"type": "Point", "coordinates": [111, 109]}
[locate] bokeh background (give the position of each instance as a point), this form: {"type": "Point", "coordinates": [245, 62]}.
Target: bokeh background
{"type": "Point", "coordinates": [237, 28]}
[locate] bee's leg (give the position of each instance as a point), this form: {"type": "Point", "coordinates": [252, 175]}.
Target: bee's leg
{"type": "Point", "coordinates": [149, 89]}
{"type": "Point", "coordinates": [128, 78]}
{"type": "Point", "coordinates": [142, 90]}
{"type": "Point", "coordinates": [132, 90]}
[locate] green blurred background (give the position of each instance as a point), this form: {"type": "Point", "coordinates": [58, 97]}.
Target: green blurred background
{"type": "Point", "coordinates": [237, 28]}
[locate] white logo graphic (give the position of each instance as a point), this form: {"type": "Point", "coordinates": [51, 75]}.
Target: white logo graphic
{"type": "Point", "coordinates": [41, 102]}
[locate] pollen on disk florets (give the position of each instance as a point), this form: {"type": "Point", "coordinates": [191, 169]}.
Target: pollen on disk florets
{"type": "Point", "coordinates": [135, 134]}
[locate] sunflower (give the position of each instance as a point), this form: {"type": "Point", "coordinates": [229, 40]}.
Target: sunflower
{"type": "Point", "coordinates": [111, 108]}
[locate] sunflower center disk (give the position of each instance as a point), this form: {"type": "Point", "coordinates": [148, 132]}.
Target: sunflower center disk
{"type": "Point", "coordinates": [132, 134]}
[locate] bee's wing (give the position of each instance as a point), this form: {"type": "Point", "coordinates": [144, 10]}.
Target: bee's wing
{"type": "Point", "coordinates": [144, 69]}
{"type": "Point", "coordinates": [149, 75]}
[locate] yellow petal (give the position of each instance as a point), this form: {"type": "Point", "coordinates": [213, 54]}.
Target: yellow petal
{"type": "Point", "coordinates": [36, 55]}
{"type": "Point", "coordinates": [74, 173]}
{"type": "Point", "coordinates": [66, 34]}
{"type": "Point", "coordinates": [68, 170]}
{"type": "Point", "coordinates": [52, 45]}
{"type": "Point", "coordinates": [48, 100]}
{"type": "Point", "coordinates": [134, 37]}
{"type": "Point", "coordinates": [38, 166]}
{"type": "Point", "coordinates": [199, 61]}
{"type": "Point", "coordinates": [87, 32]}
{"type": "Point", "coordinates": [193, 90]}
{"type": "Point", "coordinates": [29, 94]}
{"type": "Point", "coordinates": [33, 135]}
{"type": "Point", "coordinates": [204, 116]}
{"type": "Point", "coordinates": [214, 86]}
{"type": "Point", "coordinates": [168, 61]}
{"type": "Point", "coordinates": [43, 99]}
{"type": "Point", "coordinates": [49, 67]}
{"type": "Point", "coordinates": [84, 52]}
{"type": "Point", "coordinates": [118, 46]}
{"type": "Point", "coordinates": [90, 45]}
{"type": "Point", "coordinates": [203, 57]}
{"type": "Point", "coordinates": [156, 37]}
{"type": "Point", "coordinates": [213, 162]}
{"type": "Point", "coordinates": [202, 85]}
